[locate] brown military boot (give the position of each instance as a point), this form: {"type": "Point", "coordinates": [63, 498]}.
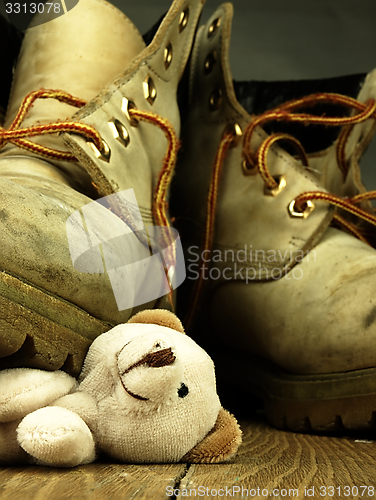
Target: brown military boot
{"type": "Point", "coordinates": [55, 161]}
{"type": "Point", "coordinates": [283, 300]}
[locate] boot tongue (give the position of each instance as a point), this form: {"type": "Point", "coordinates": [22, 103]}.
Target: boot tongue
{"type": "Point", "coordinates": [78, 52]}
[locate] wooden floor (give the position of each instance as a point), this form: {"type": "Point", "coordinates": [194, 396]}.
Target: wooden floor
{"type": "Point", "coordinates": [270, 464]}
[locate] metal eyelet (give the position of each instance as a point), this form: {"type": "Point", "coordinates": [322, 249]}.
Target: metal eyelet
{"type": "Point", "coordinates": [210, 62]}
{"type": "Point", "coordinates": [119, 131]}
{"type": "Point", "coordinates": [281, 180]}
{"type": "Point", "coordinates": [249, 168]}
{"type": "Point", "coordinates": [309, 206]}
{"type": "Point", "coordinates": [167, 56]}
{"type": "Point", "coordinates": [126, 105]}
{"type": "Point", "coordinates": [150, 92]}
{"type": "Point", "coordinates": [213, 28]}
{"type": "Point", "coordinates": [104, 153]}
{"type": "Point", "coordinates": [215, 100]}
{"type": "Point", "coordinates": [236, 130]}
{"type": "Point", "coordinates": [183, 21]}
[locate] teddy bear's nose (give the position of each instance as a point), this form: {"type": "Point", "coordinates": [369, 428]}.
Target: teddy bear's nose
{"type": "Point", "coordinates": [157, 359]}
{"type": "Point", "coordinates": [183, 391]}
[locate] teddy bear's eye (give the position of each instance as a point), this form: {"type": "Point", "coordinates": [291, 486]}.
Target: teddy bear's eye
{"type": "Point", "coordinates": [183, 391]}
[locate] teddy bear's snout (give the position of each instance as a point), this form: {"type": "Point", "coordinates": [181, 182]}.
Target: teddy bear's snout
{"type": "Point", "coordinates": [154, 377]}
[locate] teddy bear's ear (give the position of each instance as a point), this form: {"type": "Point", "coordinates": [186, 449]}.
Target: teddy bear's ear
{"type": "Point", "coordinates": [160, 317]}
{"type": "Point", "coordinates": [220, 444]}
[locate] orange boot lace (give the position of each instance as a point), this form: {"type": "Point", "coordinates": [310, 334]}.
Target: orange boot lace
{"type": "Point", "coordinates": [19, 136]}
{"type": "Point", "coordinates": [256, 162]}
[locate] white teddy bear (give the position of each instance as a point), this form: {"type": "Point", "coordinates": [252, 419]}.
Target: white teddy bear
{"type": "Point", "coordinates": [146, 394]}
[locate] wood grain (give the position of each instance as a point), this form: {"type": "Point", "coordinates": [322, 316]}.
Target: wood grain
{"type": "Point", "coordinates": [280, 462]}
{"type": "Point", "coordinates": [93, 482]}
{"type": "Point", "coordinates": [270, 464]}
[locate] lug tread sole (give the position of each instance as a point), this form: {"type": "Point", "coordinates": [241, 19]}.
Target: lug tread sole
{"type": "Point", "coordinates": [39, 330]}
{"type": "Point", "coordinates": [323, 403]}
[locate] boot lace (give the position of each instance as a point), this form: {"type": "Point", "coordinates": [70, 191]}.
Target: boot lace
{"type": "Point", "coordinates": [255, 162]}
{"type": "Point", "coordinates": [19, 136]}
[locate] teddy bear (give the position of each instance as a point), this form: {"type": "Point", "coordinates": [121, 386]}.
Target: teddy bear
{"type": "Point", "coordinates": [146, 394]}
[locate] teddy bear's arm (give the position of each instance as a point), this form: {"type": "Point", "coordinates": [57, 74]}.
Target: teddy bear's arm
{"type": "Point", "coordinates": [57, 437]}
{"type": "Point", "coordinates": [83, 404]}
{"type": "Point", "coordinates": [23, 390]}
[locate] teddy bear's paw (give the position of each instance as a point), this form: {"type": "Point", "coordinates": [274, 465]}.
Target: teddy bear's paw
{"type": "Point", "coordinates": [56, 437]}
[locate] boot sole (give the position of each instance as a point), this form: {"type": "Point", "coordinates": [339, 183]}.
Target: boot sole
{"type": "Point", "coordinates": [40, 330]}
{"type": "Point", "coordinates": [323, 403]}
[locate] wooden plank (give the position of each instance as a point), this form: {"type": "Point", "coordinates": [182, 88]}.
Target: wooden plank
{"type": "Point", "coordinates": [270, 464]}
{"type": "Point", "coordinates": [277, 464]}
{"type": "Point", "coordinates": [96, 481]}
